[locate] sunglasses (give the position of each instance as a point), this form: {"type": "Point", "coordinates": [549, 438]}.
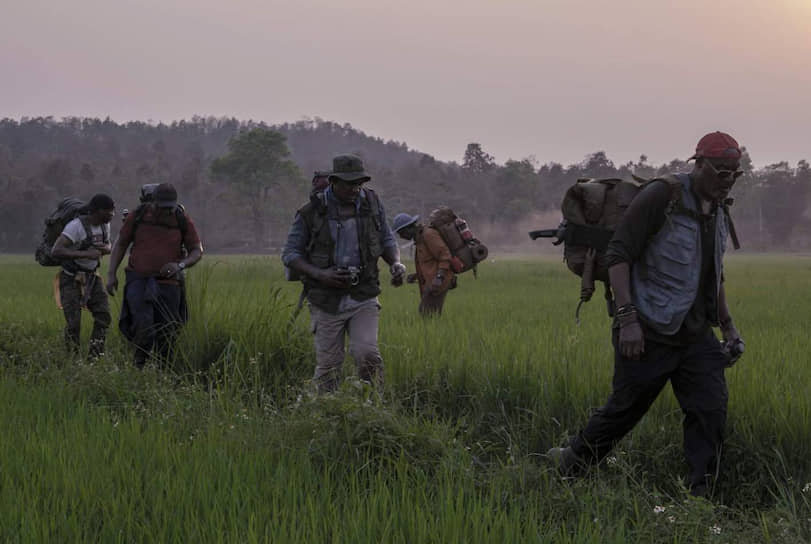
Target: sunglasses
{"type": "Point", "coordinates": [725, 174]}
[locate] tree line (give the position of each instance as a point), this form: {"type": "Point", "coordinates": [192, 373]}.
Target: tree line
{"type": "Point", "coordinates": [243, 180]}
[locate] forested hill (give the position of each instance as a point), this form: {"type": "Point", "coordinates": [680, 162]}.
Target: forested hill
{"type": "Point", "coordinates": [240, 204]}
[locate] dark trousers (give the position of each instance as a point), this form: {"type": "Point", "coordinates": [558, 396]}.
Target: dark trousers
{"type": "Point", "coordinates": [84, 289]}
{"type": "Point", "coordinates": [432, 304]}
{"type": "Point", "coordinates": [155, 313]}
{"type": "Point", "coordinates": [696, 373]}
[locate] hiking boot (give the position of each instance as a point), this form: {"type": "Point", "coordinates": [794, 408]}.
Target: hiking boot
{"type": "Point", "coordinates": [566, 460]}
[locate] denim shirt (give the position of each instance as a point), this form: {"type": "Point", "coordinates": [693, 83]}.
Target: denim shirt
{"type": "Point", "coordinates": [344, 233]}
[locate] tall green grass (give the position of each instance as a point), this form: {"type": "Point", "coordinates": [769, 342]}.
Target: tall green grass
{"type": "Point", "coordinates": [229, 444]}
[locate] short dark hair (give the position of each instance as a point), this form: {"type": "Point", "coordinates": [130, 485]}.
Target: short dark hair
{"type": "Point", "coordinates": [100, 201]}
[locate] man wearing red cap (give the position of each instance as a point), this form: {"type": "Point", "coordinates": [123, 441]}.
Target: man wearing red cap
{"type": "Point", "coordinates": [666, 271]}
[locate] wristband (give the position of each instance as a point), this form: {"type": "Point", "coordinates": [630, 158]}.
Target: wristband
{"type": "Point", "coordinates": [626, 318]}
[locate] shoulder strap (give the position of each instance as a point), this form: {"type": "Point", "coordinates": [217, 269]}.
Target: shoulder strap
{"type": "Point", "coordinates": [88, 231]}
{"type": "Point", "coordinates": [374, 205]}
{"type": "Point", "coordinates": [374, 201]}
{"type": "Point", "coordinates": [182, 222]}
{"type": "Point", "coordinates": [675, 205]}
{"type": "Point", "coordinates": [732, 233]}
{"type": "Point", "coordinates": [313, 213]}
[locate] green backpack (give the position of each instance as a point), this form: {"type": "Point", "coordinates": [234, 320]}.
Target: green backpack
{"type": "Point", "coordinates": [592, 209]}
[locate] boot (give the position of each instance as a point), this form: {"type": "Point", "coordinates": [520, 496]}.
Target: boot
{"type": "Point", "coordinates": [566, 461]}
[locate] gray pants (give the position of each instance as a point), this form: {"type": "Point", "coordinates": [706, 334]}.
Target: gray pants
{"type": "Point", "coordinates": [329, 331]}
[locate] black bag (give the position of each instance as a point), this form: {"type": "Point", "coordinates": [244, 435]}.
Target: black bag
{"type": "Point", "coordinates": [67, 210]}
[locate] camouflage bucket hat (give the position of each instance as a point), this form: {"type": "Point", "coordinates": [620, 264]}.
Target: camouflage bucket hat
{"type": "Point", "coordinates": [349, 168]}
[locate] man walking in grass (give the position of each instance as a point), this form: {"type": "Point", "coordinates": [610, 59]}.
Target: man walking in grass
{"type": "Point", "coordinates": [164, 243]}
{"type": "Point", "coordinates": [432, 260]}
{"type": "Point", "coordinates": [79, 248]}
{"type": "Point", "coordinates": [666, 270]}
{"type": "Point", "coordinates": [334, 244]}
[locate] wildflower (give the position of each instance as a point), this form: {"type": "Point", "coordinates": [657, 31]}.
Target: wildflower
{"type": "Point", "coordinates": [611, 460]}
{"type": "Point", "coordinates": [715, 530]}
{"type": "Point", "coordinates": [671, 519]}
{"type": "Point", "coordinates": [807, 487]}
{"type": "Point", "coordinates": [659, 509]}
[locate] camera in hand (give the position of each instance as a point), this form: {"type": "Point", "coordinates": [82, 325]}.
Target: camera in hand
{"type": "Point", "coordinates": [733, 349]}
{"type": "Point", "coordinates": [354, 274]}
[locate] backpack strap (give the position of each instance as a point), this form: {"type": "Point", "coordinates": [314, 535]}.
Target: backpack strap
{"type": "Point", "coordinates": [732, 233]}
{"type": "Point", "coordinates": [180, 217]}
{"type": "Point", "coordinates": [314, 214]}
{"type": "Point", "coordinates": [88, 232]}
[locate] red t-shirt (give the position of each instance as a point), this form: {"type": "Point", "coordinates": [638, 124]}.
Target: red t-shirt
{"type": "Point", "coordinates": [157, 240]}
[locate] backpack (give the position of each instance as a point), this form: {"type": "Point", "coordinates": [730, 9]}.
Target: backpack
{"type": "Point", "coordinates": [320, 181]}
{"type": "Point", "coordinates": [66, 211]}
{"type": "Point", "coordinates": [180, 216]}
{"type": "Point", "coordinates": [467, 251]}
{"type": "Point", "coordinates": [592, 209]}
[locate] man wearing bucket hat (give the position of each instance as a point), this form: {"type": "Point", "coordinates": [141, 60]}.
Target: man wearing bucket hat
{"type": "Point", "coordinates": [432, 260]}
{"type": "Point", "coordinates": [666, 270]}
{"type": "Point", "coordinates": [164, 243]}
{"type": "Point", "coordinates": [334, 243]}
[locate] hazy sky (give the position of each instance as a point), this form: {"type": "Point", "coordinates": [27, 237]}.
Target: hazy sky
{"type": "Point", "coordinates": [551, 78]}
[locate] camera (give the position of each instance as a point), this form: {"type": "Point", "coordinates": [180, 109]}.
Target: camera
{"type": "Point", "coordinates": [354, 274]}
{"type": "Point", "coordinates": [733, 349]}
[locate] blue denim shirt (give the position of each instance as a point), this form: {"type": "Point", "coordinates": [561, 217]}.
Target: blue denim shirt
{"type": "Point", "coordinates": [344, 233]}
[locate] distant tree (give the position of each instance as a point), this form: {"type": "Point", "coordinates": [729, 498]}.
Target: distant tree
{"type": "Point", "coordinates": [597, 165]}
{"type": "Point", "coordinates": [784, 199]}
{"type": "Point", "coordinates": [58, 174]}
{"type": "Point", "coordinates": [515, 186]}
{"type": "Point", "coordinates": [476, 160]}
{"type": "Point", "coordinates": [258, 166]}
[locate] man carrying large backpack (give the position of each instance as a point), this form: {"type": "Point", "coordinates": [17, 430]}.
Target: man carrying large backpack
{"type": "Point", "coordinates": [335, 242]}
{"type": "Point", "coordinates": [432, 260]}
{"type": "Point", "coordinates": [154, 307]}
{"type": "Point", "coordinates": [79, 250]}
{"type": "Point", "coordinates": [666, 269]}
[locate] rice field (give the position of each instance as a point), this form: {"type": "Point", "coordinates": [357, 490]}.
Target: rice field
{"type": "Point", "coordinates": [228, 443]}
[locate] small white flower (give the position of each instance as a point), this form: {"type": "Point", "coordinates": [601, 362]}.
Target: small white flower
{"type": "Point", "coordinates": [659, 509]}
{"type": "Point", "coordinates": [671, 519]}
{"type": "Point", "coordinates": [611, 460]}
{"type": "Point", "coordinates": [807, 487]}
{"type": "Point", "coordinates": [715, 530]}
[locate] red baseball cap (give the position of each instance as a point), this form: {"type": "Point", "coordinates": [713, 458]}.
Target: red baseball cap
{"type": "Point", "coordinates": [717, 145]}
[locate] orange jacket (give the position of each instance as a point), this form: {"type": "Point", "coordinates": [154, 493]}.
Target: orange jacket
{"type": "Point", "coordinates": [431, 255]}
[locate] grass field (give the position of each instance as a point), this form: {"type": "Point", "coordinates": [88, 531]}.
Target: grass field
{"type": "Point", "coordinates": [230, 444]}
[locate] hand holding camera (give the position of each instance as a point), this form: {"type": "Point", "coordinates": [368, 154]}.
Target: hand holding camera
{"type": "Point", "coordinates": [337, 278]}
{"type": "Point", "coordinates": [398, 273]}
{"type": "Point", "coordinates": [733, 349]}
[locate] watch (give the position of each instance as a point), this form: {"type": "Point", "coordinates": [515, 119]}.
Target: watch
{"type": "Point", "coordinates": [181, 265]}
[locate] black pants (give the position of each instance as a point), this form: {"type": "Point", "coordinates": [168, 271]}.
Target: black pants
{"type": "Point", "coordinates": [696, 373]}
{"type": "Point", "coordinates": [156, 314]}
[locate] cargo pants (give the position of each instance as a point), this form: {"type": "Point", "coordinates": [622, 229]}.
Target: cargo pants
{"type": "Point", "coordinates": [84, 289]}
{"type": "Point", "coordinates": [360, 324]}
{"type": "Point", "coordinates": [696, 373]}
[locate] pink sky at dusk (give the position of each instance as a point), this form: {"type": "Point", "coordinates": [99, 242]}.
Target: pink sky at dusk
{"type": "Point", "coordinates": [552, 79]}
